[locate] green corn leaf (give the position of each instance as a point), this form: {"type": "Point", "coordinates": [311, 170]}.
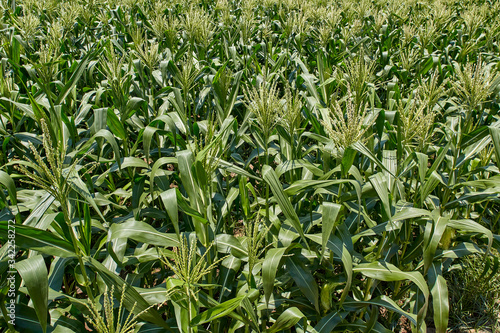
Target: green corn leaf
{"type": "Point", "coordinates": [468, 225]}
{"type": "Point", "coordinates": [330, 211]}
{"type": "Point", "coordinates": [388, 272]}
{"type": "Point", "coordinates": [440, 304]}
{"type": "Point", "coordinates": [79, 187]}
{"type": "Point", "coordinates": [131, 296]}
{"type": "Point", "coordinates": [230, 244]}
{"type": "Point", "coordinates": [272, 179]}
{"type": "Point", "coordinates": [143, 232]}
{"type": "Point", "coordinates": [129, 162]}
{"type": "Point", "coordinates": [35, 277]}
{"type": "Point", "coordinates": [330, 321]}
{"type": "Point", "coordinates": [230, 267]}
{"type": "Point", "coordinates": [291, 165]}
{"type": "Point", "coordinates": [365, 151]}
{"type": "Point", "coordinates": [169, 199]}
{"type": "Point", "coordinates": [9, 184]}
{"type": "Point", "coordinates": [379, 183]}
{"type": "Point", "coordinates": [27, 320]}
{"type": "Point", "coordinates": [104, 133]}
{"type": "Point", "coordinates": [73, 80]}
{"type": "Point", "coordinates": [386, 302]}
{"type": "Point", "coordinates": [30, 238]}
{"type": "Point", "coordinates": [433, 239]}
{"type": "Point", "coordinates": [56, 274]}
{"type": "Point", "coordinates": [287, 319]}
{"type": "Point", "coordinates": [361, 326]}
{"type": "Point", "coordinates": [270, 267]}
{"type": "Point", "coordinates": [38, 212]}
{"type": "Point", "coordinates": [347, 160]}
{"type": "Point", "coordinates": [304, 280]}
{"type": "Point", "coordinates": [217, 311]}
{"type": "Point", "coordinates": [495, 137]}
{"type": "Point", "coordinates": [115, 125]}
{"type": "Point", "coordinates": [186, 161]}
{"type": "Point", "coordinates": [341, 249]}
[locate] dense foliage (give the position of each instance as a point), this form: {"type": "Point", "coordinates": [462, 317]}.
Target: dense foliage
{"type": "Point", "coordinates": [246, 165]}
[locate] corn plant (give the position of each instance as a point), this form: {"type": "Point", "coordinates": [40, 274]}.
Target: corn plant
{"type": "Point", "coordinates": [249, 165]}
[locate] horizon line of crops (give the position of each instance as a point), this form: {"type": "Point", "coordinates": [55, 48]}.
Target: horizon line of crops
{"type": "Point", "coordinates": [246, 166]}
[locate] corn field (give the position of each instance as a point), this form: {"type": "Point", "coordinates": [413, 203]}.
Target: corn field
{"type": "Point", "coordinates": [246, 165]}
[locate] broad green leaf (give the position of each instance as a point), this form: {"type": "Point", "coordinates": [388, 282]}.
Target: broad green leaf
{"type": "Point", "coordinates": [440, 304]}
{"type": "Point", "coordinates": [441, 154]}
{"type": "Point", "coordinates": [330, 321]}
{"type": "Point", "coordinates": [230, 267]}
{"type": "Point", "coordinates": [330, 211]}
{"type": "Point", "coordinates": [287, 319]}
{"type": "Point", "coordinates": [474, 148]}
{"type": "Point", "coordinates": [430, 184]}
{"type": "Point", "coordinates": [169, 199]}
{"type": "Point", "coordinates": [495, 137]}
{"type": "Point", "coordinates": [390, 161]}
{"type": "Point", "coordinates": [56, 274]}
{"type": "Point", "coordinates": [379, 183]}
{"type": "Point", "coordinates": [423, 160]}
{"type": "Point", "coordinates": [153, 295]}
{"type": "Point", "coordinates": [9, 184]}
{"type": "Point", "coordinates": [147, 136]}
{"type": "Point", "coordinates": [188, 209]}
{"type": "Point", "coordinates": [270, 267]}
{"type": "Point", "coordinates": [226, 126]}
{"type": "Point", "coordinates": [64, 324]}
{"type": "Point", "coordinates": [300, 186]}
{"type": "Point", "coordinates": [81, 188]}
{"type": "Point", "coordinates": [408, 212]}
{"type": "Point", "coordinates": [304, 280]}
{"type": "Point", "coordinates": [365, 151]}
{"type": "Point", "coordinates": [470, 198]}
{"type": "Point", "coordinates": [237, 170]}
{"type": "Point", "coordinates": [208, 302]}
{"type": "Point", "coordinates": [217, 311]}
{"type": "Point", "coordinates": [115, 125]}
{"type": "Point", "coordinates": [291, 165]}
{"type": "Point", "coordinates": [143, 232]}
{"type": "Point", "coordinates": [432, 243]}
{"type": "Point", "coordinates": [459, 251]}
{"type": "Point", "coordinates": [388, 272]}
{"type": "Point", "coordinates": [361, 326]}
{"type": "Point", "coordinates": [468, 225]}
{"type": "Point", "coordinates": [133, 104]}
{"type": "Point", "coordinates": [272, 179]}
{"type": "Point", "coordinates": [27, 320]}
{"type": "Point", "coordinates": [35, 277]}
{"type": "Point", "coordinates": [29, 238]}
{"type": "Point", "coordinates": [249, 308]}
{"type": "Point", "coordinates": [341, 250]}
{"type": "Point", "coordinates": [385, 302]}
{"type": "Point", "coordinates": [25, 108]}
{"type": "Point", "coordinates": [347, 160]}
{"type": "Point", "coordinates": [186, 161]}
{"type": "Point", "coordinates": [104, 133]}
{"type": "Point", "coordinates": [36, 214]}
{"type": "Point", "coordinates": [156, 166]}
{"type": "Point", "coordinates": [100, 117]}
{"type": "Point", "coordinates": [482, 184]}
{"type": "Point", "coordinates": [129, 162]}
{"type": "Point", "coordinates": [131, 296]}
{"type": "Point", "coordinates": [73, 80]}
{"type": "Point", "coordinates": [230, 244]}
